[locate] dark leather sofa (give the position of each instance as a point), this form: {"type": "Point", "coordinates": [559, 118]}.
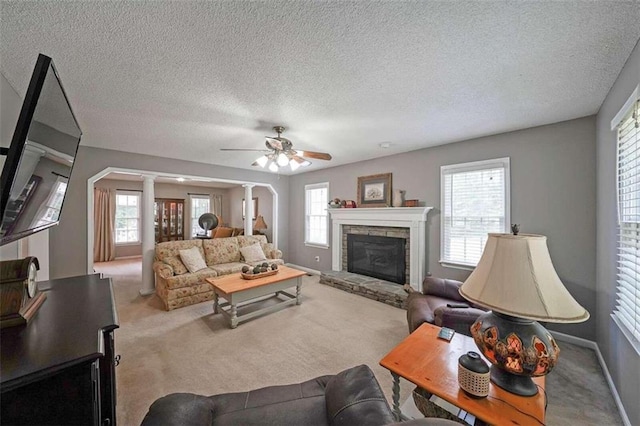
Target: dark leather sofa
{"type": "Point", "coordinates": [351, 397]}
{"type": "Point", "coordinates": [431, 306]}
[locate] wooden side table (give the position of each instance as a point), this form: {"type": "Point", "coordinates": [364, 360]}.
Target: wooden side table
{"type": "Point", "coordinates": [432, 364]}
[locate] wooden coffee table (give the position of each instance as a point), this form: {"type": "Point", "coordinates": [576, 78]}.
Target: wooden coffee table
{"type": "Point", "coordinates": [236, 290]}
{"type": "Point", "coordinates": [432, 364]}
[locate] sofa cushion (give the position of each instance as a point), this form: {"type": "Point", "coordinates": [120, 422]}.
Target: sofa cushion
{"type": "Point", "coordinates": [169, 253]}
{"type": "Point", "coordinates": [252, 253]}
{"type": "Point", "coordinates": [192, 259]}
{"type": "Point", "coordinates": [228, 268]}
{"type": "Point", "coordinates": [221, 250]}
{"type": "Point", "coordinates": [269, 261]}
{"type": "Point", "coordinates": [442, 287]}
{"type": "Point", "coordinates": [354, 397]}
{"type": "Point", "coordinates": [190, 280]}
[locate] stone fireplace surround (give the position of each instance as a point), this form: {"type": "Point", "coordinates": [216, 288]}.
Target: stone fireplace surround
{"type": "Point", "coordinates": [409, 222]}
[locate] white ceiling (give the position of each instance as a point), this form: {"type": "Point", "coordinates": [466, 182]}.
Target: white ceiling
{"type": "Point", "coordinates": [183, 79]}
{"type": "Point", "coordinates": [136, 177]}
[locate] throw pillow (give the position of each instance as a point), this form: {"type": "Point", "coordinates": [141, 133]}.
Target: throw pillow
{"type": "Point", "coordinates": [253, 253]}
{"type": "Point", "coordinates": [222, 232]}
{"type": "Point", "coordinates": [192, 259]}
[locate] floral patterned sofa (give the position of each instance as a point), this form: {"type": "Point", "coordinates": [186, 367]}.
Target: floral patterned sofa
{"type": "Point", "coordinates": [177, 287]}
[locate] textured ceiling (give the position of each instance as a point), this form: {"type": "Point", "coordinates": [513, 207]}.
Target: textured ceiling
{"type": "Point", "coordinates": [183, 79]}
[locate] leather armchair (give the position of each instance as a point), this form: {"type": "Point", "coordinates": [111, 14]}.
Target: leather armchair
{"type": "Point", "coordinates": [351, 397]}
{"type": "Point", "coordinates": [431, 306]}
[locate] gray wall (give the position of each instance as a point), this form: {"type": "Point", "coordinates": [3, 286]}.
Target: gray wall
{"type": "Point", "coordinates": [552, 193]}
{"type": "Point", "coordinates": [71, 233]}
{"type": "Point", "coordinates": [265, 208]}
{"type": "Point", "coordinates": [621, 359]}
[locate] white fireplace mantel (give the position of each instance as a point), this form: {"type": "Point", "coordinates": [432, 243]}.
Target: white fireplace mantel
{"type": "Point", "coordinates": [414, 218]}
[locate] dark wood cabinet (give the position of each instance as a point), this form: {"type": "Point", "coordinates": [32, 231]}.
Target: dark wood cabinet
{"type": "Point", "coordinates": [60, 367]}
{"type": "Point", "coordinates": [169, 219]}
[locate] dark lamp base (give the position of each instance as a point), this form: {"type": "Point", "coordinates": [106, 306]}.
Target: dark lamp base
{"type": "Point", "coordinates": [519, 385]}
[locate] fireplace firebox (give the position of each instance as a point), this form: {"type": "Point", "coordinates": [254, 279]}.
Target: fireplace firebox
{"type": "Point", "coordinates": [377, 256]}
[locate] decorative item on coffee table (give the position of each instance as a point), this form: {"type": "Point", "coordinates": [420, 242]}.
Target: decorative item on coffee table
{"type": "Point", "coordinates": [259, 271]}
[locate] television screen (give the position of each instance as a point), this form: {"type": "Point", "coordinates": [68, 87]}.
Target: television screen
{"type": "Point", "coordinates": [40, 158]}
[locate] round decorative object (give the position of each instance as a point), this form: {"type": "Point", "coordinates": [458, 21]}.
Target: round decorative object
{"type": "Point", "coordinates": [208, 221]}
{"type": "Point", "coordinates": [473, 374]}
{"type": "Point", "coordinates": [518, 349]}
{"type": "Point", "coordinates": [31, 279]}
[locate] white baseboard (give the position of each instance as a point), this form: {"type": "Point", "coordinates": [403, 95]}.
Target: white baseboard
{"type": "Point", "coordinates": [578, 341]}
{"type": "Point", "coordinates": [136, 256]}
{"type": "Point", "coordinates": [302, 268]}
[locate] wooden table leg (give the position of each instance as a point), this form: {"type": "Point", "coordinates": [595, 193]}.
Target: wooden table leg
{"type": "Point", "coordinates": [215, 303]}
{"type": "Point", "coordinates": [298, 291]}
{"type": "Point", "coordinates": [396, 397]}
{"type": "Point", "coordinates": [233, 321]}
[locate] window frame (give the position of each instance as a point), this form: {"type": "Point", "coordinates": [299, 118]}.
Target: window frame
{"type": "Point", "coordinates": [194, 220]}
{"type": "Point", "coordinates": [632, 335]}
{"type": "Point", "coordinates": [307, 188]}
{"type": "Point", "coordinates": [137, 194]}
{"type": "Point", "coordinates": [503, 162]}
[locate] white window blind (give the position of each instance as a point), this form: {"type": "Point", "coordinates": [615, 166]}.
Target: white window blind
{"type": "Point", "coordinates": [627, 309]}
{"type": "Point", "coordinates": [200, 204]}
{"type": "Point", "coordinates": [475, 201]}
{"type": "Point", "coordinates": [316, 217]}
{"type": "Point", "coordinates": [127, 224]}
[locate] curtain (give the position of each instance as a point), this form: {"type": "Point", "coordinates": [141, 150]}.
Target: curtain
{"type": "Point", "coordinates": [104, 247]}
{"type": "Point", "coordinates": [217, 204]}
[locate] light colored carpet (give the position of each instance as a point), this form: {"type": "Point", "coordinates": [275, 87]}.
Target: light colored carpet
{"type": "Point", "coordinates": [192, 350]}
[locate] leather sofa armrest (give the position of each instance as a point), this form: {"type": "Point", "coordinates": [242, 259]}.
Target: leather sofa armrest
{"type": "Point", "coordinates": [354, 397]}
{"type": "Point", "coordinates": [443, 287]}
{"type": "Point", "coordinates": [162, 269]}
{"type": "Point", "coordinates": [458, 319]}
{"type": "Point", "coordinates": [418, 311]}
{"type": "Point", "coordinates": [179, 409]}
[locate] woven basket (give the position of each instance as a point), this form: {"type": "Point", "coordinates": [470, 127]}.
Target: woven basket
{"type": "Point", "coordinates": [429, 409]}
{"type": "Point", "coordinates": [256, 276]}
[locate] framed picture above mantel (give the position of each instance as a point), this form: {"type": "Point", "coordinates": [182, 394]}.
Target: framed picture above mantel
{"type": "Point", "coordinates": [374, 190]}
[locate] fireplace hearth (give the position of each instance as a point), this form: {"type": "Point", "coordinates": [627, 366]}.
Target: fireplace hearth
{"type": "Point", "coordinates": [377, 256]}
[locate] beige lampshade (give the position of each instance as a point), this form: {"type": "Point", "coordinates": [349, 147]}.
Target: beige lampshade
{"type": "Point", "coordinates": [260, 223]}
{"type": "Point", "coordinates": [515, 276]}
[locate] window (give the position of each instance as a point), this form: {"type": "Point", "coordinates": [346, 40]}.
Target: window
{"type": "Point", "coordinates": [127, 217]}
{"type": "Point", "coordinates": [316, 198]}
{"type": "Point", "coordinates": [49, 211]}
{"type": "Point", "coordinates": [200, 204]}
{"type": "Point", "coordinates": [626, 312]}
{"type": "Point", "coordinates": [474, 201]}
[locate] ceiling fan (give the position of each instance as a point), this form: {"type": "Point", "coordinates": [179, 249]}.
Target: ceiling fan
{"type": "Point", "coordinates": [280, 153]}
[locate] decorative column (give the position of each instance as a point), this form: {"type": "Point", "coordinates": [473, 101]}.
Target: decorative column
{"type": "Point", "coordinates": [248, 209]}
{"type": "Point", "coordinates": [148, 235]}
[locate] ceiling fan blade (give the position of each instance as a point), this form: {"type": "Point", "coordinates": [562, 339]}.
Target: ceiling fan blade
{"type": "Point", "coordinates": [316, 155]}
{"type": "Point", "coordinates": [300, 160]}
{"type": "Point", "coordinates": [243, 149]}
{"type": "Point", "coordinates": [273, 143]}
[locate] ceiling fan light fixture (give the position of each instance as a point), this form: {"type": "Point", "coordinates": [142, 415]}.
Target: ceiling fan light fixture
{"type": "Point", "coordinates": [294, 165]}
{"type": "Point", "coordinates": [282, 160]}
{"type": "Point", "coordinates": [273, 167]}
{"type": "Point", "coordinates": [262, 161]}
{"type": "Point", "coordinates": [305, 163]}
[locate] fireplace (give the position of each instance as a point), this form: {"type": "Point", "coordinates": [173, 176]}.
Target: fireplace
{"type": "Point", "coordinates": [400, 222]}
{"type": "Point", "coordinates": [377, 256]}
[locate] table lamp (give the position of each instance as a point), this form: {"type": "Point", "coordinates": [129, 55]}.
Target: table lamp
{"type": "Point", "coordinates": [260, 224]}
{"type": "Point", "coordinates": [516, 280]}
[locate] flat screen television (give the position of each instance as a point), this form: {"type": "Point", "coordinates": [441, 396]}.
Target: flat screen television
{"type": "Point", "coordinates": [40, 158]}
